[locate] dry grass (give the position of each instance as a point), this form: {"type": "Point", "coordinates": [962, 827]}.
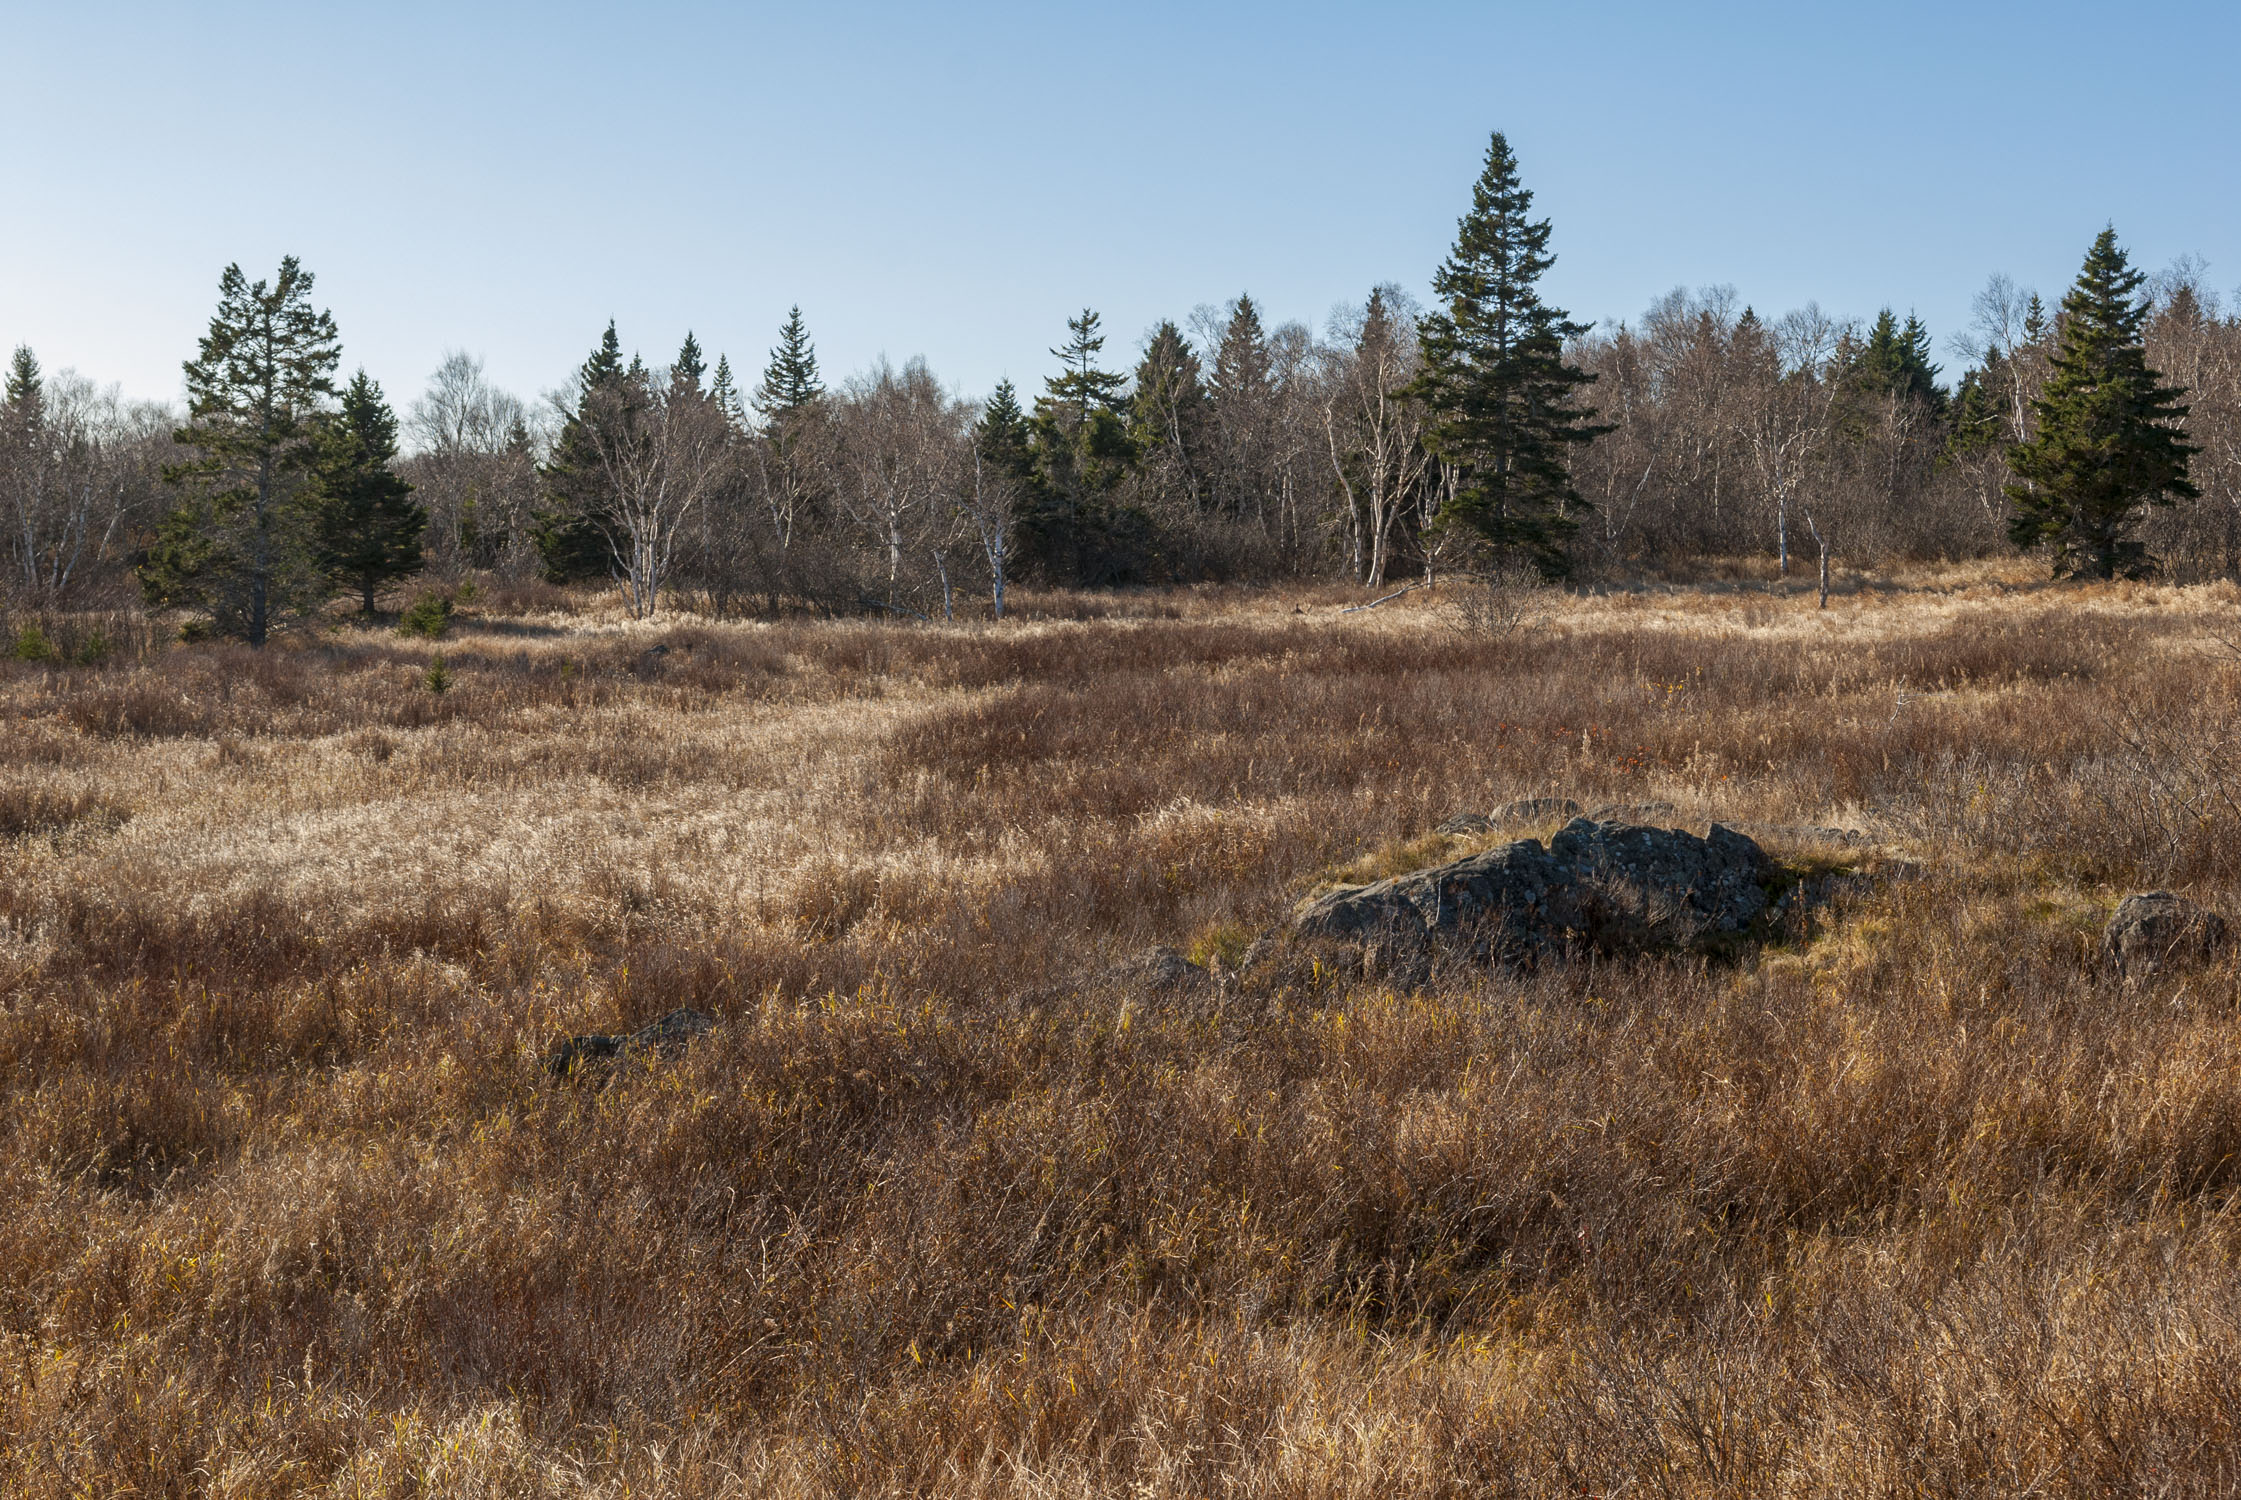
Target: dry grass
{"type": "Point", "coordinates": [1923, 1202]}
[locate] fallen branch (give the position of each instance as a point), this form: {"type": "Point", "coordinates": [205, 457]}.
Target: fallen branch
{"type": "Point", "coordinates": [1358, 608]}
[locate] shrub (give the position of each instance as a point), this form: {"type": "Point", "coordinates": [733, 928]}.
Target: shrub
{"type": "Point", "coordinates": [32, 645]}
{"type": "Point", "coordinates": [429, 617]}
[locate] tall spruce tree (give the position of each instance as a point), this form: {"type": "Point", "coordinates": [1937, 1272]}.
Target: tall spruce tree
{"type": "Point", "coordinates": [25, 392]}
{"type": "Point", "coordinates": [370, 527]}
{"type": "Point", "coordinates": [1081, 389]}
{"type": "Point", "coordinates": [2110, 437]}
{"type": "Point", "coordinates": [1503, 403]}
{"type": "Point", "coordinates": [242, 544]}
{"type": "Point", "coordinates": [1003, 435]}
{"type": "Point", "coordinates": [1895, 361]}
{"type": "Point", "coordinates": [724, 391]}
{"type": "Point", "coordinates": [573, 527]}
{"type": "Point", "coordinates": [790, 381]}
{"type": "Point", "coordinates": [1070, 525]}
{"type": "Point", "coordinates": [1167, 415]}
{"type": "Point", "coordinates": [691, 365]}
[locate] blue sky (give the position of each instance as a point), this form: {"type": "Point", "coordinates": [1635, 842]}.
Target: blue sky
{"type": "Point", "coordinates": [954, 181]}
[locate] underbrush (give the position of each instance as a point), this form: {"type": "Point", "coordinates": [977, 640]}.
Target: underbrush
{"type": "Point", "coordinates": [1924, 1198]}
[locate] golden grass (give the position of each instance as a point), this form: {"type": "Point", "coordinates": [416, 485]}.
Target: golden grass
{"type": "Point", "coordinates": [1922, 1201]}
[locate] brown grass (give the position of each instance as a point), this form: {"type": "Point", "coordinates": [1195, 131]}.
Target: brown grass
{"type": "Point", "coordinates": [1925, 1201]}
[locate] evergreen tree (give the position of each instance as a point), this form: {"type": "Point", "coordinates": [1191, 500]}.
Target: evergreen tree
{"type": "Point", "coordinates": [724, 391]}
{"type": "Point", "coordinates": [242, 544]}
{"type": "Point", "coordinates": [573, 527]}
{"type": "Point", "coordinates": [1895, 362]}
{"type": "Point", "coordinates": [370, 527]}
{"type": "Point", "coordinates": [1501, 399]}
{"type": "Point", "coordinates": [1167, 410]}
{"type": "Point", "coordinates": [25, 394]}
{"type": "Point", "coordinates": [2110, 437]}
{"type": "Point", "coordinates": [790, 382]}
{"type": "Point", "coordinates": [1003, 435]}
{"type": "Point", "coordinates": [1243, 369]}
{"type": "Point", "coordinates": [1976, 415]}
{"type": "Point", "coordinates": [1069, 523]}
{"type": "Point", "coordinates": [690, 365]}
{"type": "Point", "coordinates": [1081, 389]}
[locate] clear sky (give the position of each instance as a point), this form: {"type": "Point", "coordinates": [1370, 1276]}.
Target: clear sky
{"type": "Point", "coordinates": [955, 180]}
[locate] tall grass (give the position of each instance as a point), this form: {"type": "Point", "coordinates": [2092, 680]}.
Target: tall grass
{"type": "Point", "coordinates": [1926, 1201]}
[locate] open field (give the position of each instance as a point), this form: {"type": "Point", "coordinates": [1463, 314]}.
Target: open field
{"type": "Point", "coordinates": [1923, 1200]}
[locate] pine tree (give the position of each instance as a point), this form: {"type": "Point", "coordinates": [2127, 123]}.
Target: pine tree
{"type": "Point", "coordinates": [572, 529]}
{"type": "Point", "coordinates": [25, 394]}
{"type": "Point", "coordinates": [1082, 390]}
{"type": "Point", "coordinates": [1895, 362]}
{"type": "Point", "coordinates": [690, 365]}
{"type": "Point", "coordinates": [1070, 524]}
{"type": "Point", "coordinates": [1167, 411]}
{"type": "Point", "coordinates": [1501, 399]}
{"type": "Point", "coordinates": [790, 382]}
{"type": "Point", "coordinates": [1003, 436]}
{"type": "Point", "coordinates": [2109, 434]}
{"type": "Point", "coordinates": [242, 545]}
{"type": "Point", "coordinates": [724, 391]}
{"type": "Point", "coordinates": [370, 527]}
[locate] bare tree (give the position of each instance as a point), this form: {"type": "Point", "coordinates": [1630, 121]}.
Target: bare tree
{"type": "Point", "coordinates": [1374, 436]}
{"type": "Point", "coordinates": [474, 464]}
{"type": "Point", "coordinates": [662, 448]}
{"type": "Point", "coordinates": [899, 463]}
{"type": "Point", "coordinates": [1789, 422]}
{"type": "Point", "coordinates": [80, 467]}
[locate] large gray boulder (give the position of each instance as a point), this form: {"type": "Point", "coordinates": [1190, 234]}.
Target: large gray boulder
{"type": "Point", "coordinates": [1614, 887]}
{"type": "Point", "coordinates": [2155, 928]}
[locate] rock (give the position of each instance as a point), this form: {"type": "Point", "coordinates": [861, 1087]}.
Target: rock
{"type": "Point", "coordinates": [1157, 968]}
{"type": "Point", "coordinates": [666, 1037]}
{"type": "Point", "coordinates": [1611, 886]}
{"type": "Point", "coordinates": [2154, 928]}
{"type": "Point", "coordinates": [1632, 812]}
{"type": "Point", "coordinates": [1799, 833]}
{"type": "Point", "coordinates": [1466, 823]}
{"type": "Point", "coordinates": [1535, 809]}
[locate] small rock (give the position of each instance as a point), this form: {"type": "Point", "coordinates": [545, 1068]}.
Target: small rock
{"type": "Point", "coordinates": [1158, 968]}
{"type": "Point", "coordinates": [663, 1038]}
{"type": "Point", "coordinates": [1536, 810]}
{"type": "Point", "coordinates": [2154, 928]}
{"type": "Point", "coordinates": [1632, 812]}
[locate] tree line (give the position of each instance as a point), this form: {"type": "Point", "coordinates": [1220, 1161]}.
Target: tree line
{"type": "Point", "coordinates": [1486, 431]}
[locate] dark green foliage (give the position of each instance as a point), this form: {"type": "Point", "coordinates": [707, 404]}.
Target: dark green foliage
{"type": "Point", "coordinates": [242, 545]}
{"type": "Point", "coordinates": [1895, 362]}
{"type": "Point", "coordinates": [1003, 435]}
{"type": "Point", "coordinates": [790, 382]}
{"type": "Point", "coordinates": [572, 527]}
{"type": "Point", "coordinates": [429, 616]}
{"type": "Point", "coordinates": [1976, 417]}
{"type": "Point", "coordinates": [1071, 524]}
{"type": "Point", "coordinates": [1503, 402]}
{"type": "Point", "coordinates": [25, 395]}
{"type": "Point", "coordinates": [370, 527]}
{"type": "Point", "coordinates": [1169, 400]}
{"type": "Point", "coordinates": [2109, 436]}
{"type": "Point", "coordinates": [690, 364]}
{"type": "Point", "coordinates": [32, 645]}
{"type": "Point", "coordinates": [1167, 414]}
{"type": "Point", "coordinates": [1081, 389]}
{"type": "Point", "coordinates": [438, 676]}
{"type": "Point", "coordinates": [724, 391]}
